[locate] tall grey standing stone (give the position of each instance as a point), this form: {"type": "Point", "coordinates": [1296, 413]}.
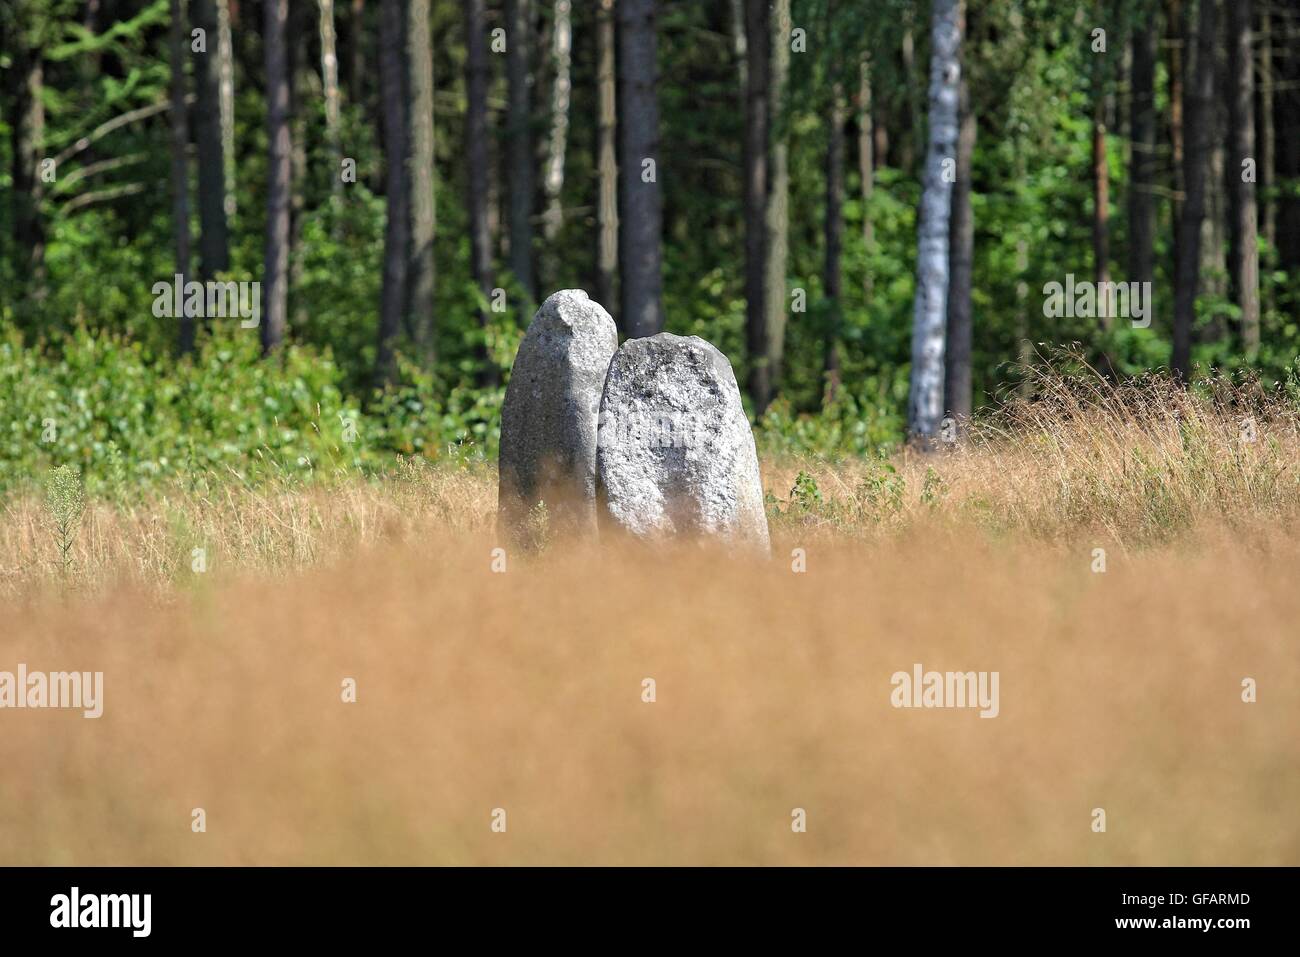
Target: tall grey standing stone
{"type": "Point", "coordinates": [676, 454]}
{"type": "Point", "coordinates": [548, 422]}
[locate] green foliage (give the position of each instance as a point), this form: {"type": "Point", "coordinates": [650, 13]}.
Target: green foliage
{"type": "Point", "coordinates": [64, 503]}
{"type": "Point", "coordinates": [804, 494]}
{"type": "Point", "coordinates": [129, 418]}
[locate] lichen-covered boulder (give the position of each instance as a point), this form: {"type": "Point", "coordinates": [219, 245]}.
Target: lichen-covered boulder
{"type": "Point", "coordinates": [549, 419]}
{"type": "Point", "coordinates": [676, 454]}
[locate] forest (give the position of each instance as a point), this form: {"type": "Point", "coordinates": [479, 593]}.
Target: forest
{"type": "Point", "coordinates": [405, 181]}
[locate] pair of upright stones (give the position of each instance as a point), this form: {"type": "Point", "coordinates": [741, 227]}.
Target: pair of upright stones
{"type": "Point", "coordinates": [649, 438]}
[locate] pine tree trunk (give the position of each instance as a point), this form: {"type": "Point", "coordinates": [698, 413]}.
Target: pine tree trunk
{"type": "Point", "coordinates": [866, 172]}
{"type": "Point", "coordinates": [910, 136]}
{"type": "Point", "coordinates": [561, 47]}
{"type": "Point", "coordinates": [641, 224]}
{"type": "Point", "coordinates": [423, 223]}
{"type": "Point", "coordinates": [777, 216]}
{"type": "Point", "coordinates": [329, 72]}
{"type": "Point", "coordinates": [1141, 207]}
{"type": "Point", "coordinates": [1176, 39]}
{"type": "Point", "coordinates": [519, 141]}
{"type": "Point", "coordinates": [214, 243]}
{"type": "Point", "coordinates": [961, 254]}
{"type": "Point", "coordinates": [27, 133]}
{"type": "Point", "coordinates": [757, 39]}
{"type": "Point", "coordinates": [226, 74]}
{"type": "Point", "coordinates": [177, 35]}
{"type": "Point", "coordinates": [606, 158]}
{"type": "Point", "coordinates": [1243, 224]}
{"type": "Point", "coordinates": [1197, 112]}
{"type": "Point", "coordinates": [834, 241]}
{"type": "Point", "coordinates": [356, 78]}
{"type": "Point", "coordinates": [275, 291]}
{"type": "Point", "coordinates": [929, 320]}
{"type": "Point", "coordinates": [1267, 137]}
{"type": "Point", "coordinates": [301, 79]}
{"type": "Point", "coordinates": [1100, 182]}
{"type": "Point", "coordinates": [479, 164]}
{"type": "Point", "coordinates": [393, 101]}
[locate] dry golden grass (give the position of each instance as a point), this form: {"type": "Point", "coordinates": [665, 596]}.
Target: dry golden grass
{"type": "Point", "coordinates": [522, 690]}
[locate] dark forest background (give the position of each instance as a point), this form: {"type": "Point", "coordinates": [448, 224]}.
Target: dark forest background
{"type": "Point", "coordinates": [407, 179]}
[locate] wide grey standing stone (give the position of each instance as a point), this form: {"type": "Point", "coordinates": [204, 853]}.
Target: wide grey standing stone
{"type": "Point", "coordinates": [548, 421]}
{"type": "Point", "coordinates": [676, 454]}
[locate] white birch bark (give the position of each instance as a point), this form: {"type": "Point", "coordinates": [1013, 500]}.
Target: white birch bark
{"type": "Point", "coordinates": [929, 318]}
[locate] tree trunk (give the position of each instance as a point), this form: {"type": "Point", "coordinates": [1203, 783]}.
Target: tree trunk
{"type": "Point", "coordinates": [214, 242]}
{"type": "Point", "coordinates": [606, 158]}
{"type": "Point", "coordinates": [961, 254]}
{"type": "Point", "coordinates": [561, 46]}
{"type": "Point", "coordinates": [777, 215]}
{"type": "Point", "coordinates": [275, 291]}
{"type": "Point", "coordinates": [226, 74]}
{"type": "Point", "coordinates": [1026, 345]}
{"type": "Point", "coordinates": [866, 172]}
{"type": "Point", "coordinates": [910, 135]}
{"type": "Point", "coordinates": [1267, 140]}
{"type": "Point", "coordinates": [757, 40]}
{"type": "Point", "coordinates": [641, 229]}
{"type": "Point", "coordinates": [393, 100]}
{"type": "Point", "coordinates": [519, 142]}
{"type": "Point", "coordinates": [479, 164]}
{"type": "Point", "coordinates": [739, 46]}
{"type": "Point", "coordinates": [834, 241]}
{"type": "Point", "coordinates": [1176, 34]}
{"type": "Point", "coordinates": [177, 35]}
{"type": "Point", "coordinates": [356, 81]}
{"type": "Point", "coordinates": [1100, 182]}
{"type": "Point", "coordinates": [1101, 202]}
{"type": "Point", "coordinates": [929, 320]}
{"type": "Point", "coordinates": [329, 72]}
{"type": "Point", "coordinates": [1141, 205]}
{"type": "Point", "coordinates": [27, 132]}
{"type": "Point", "coordinates": [423, 222]}
{"type": "Point", "coordinates": [1286, 102]}
{"type": "Point", "coordinates": [1197, 107]}
{"type": "Point", "coordinates": [1243, 224]}
{"type": "Point", "coordinates": [301, 79]}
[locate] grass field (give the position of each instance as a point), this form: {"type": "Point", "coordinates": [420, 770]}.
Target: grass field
{"type": "Point", "coordinates": [523, 690]}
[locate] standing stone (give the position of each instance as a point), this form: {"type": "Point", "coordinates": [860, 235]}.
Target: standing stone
{"type": "Point", "coordinates": [676, 454]}
{"type": "Point", "coordinates": [548, 422]}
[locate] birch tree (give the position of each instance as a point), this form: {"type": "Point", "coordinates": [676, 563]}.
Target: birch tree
{"type": "Point", "coordinates": [929, 315]}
